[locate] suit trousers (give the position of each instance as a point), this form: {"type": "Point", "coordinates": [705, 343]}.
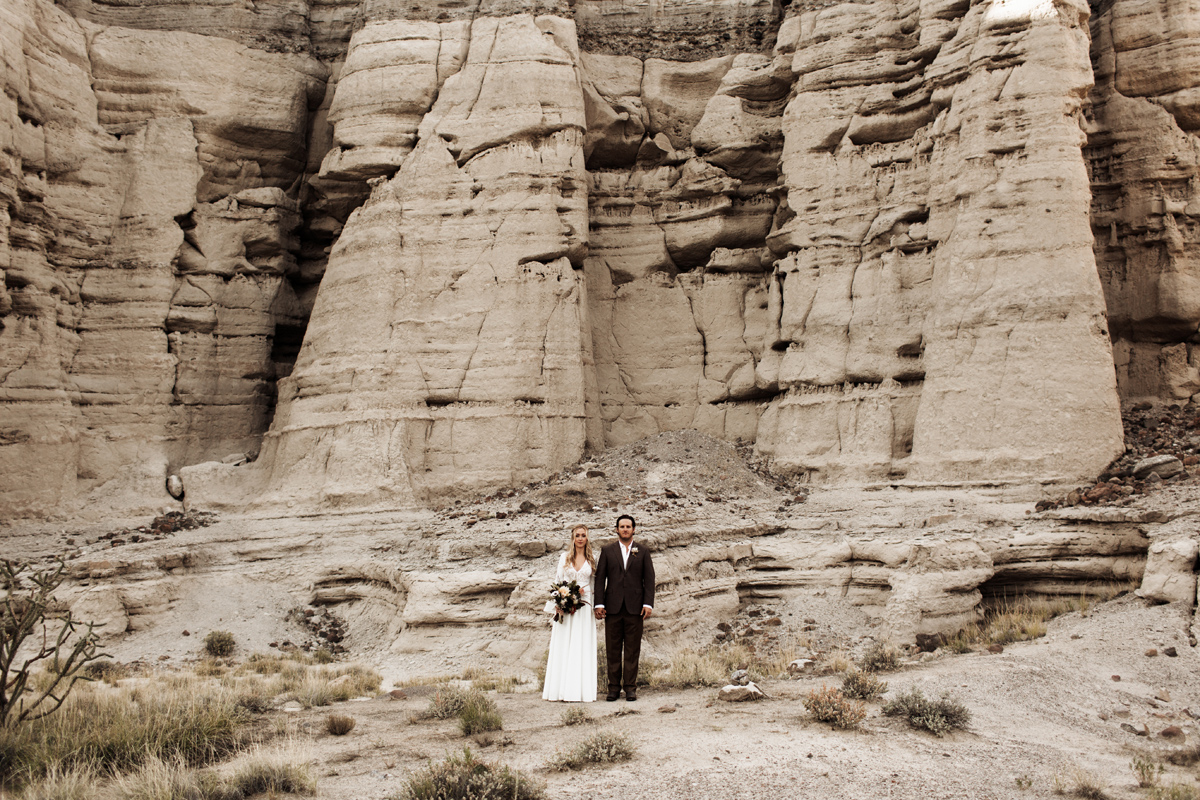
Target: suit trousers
{"type": "Point", "coordinates": [622, 648]}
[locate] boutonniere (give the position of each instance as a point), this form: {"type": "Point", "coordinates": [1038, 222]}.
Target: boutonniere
{"type": "Point", "coordinates": [633, 551]}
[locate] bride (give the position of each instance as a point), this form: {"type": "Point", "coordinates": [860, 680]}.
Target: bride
{"type": "Point", "coordinates": [571, 668]}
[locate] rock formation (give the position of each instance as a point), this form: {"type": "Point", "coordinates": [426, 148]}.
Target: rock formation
{"type": "Point", "coordinates": [935, 243]}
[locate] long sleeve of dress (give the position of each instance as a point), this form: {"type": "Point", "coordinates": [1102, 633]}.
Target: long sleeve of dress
{"type": "Point", "coordinates": [559, 576]}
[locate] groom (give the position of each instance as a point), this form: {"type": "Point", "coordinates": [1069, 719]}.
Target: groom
{"type": "Point", "coordinates": [624, 600]}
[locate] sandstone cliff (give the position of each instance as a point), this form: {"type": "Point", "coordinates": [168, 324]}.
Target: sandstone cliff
{"type": "Point", "coordinates": [922, 243]}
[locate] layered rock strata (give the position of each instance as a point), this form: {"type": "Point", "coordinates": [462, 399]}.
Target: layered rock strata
{"type": "Point", "coordinates": [859, 236]}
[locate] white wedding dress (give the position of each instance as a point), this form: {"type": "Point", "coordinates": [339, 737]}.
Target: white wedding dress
{"type": "Point", "coordinates": [571, 667]}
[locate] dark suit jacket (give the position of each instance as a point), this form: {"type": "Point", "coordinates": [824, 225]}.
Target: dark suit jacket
{"type": "Point", "coordinates": [624, 588]}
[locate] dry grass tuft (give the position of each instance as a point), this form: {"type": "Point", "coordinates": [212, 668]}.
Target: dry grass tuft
{"type": "Point", "coordinates": [1018, 619]}
{"type": "Point", "coordinates": [339, 724]}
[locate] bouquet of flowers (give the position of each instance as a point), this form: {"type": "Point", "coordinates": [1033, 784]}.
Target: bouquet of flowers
{"type": "Point", "coordinates": [567, 599]}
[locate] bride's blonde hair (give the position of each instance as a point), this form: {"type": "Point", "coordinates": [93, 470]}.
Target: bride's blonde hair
{"type": "Point", "coordinates": [587, 548]}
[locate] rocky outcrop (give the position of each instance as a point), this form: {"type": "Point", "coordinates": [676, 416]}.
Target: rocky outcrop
{"type": "Point", "coordinates": [864, 238]}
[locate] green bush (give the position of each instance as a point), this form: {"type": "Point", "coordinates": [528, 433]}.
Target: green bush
{"type": "Point", "coordinates": [828, 704]}
{"type": "Point", "coordinates": [466, 778]}
{"type": "Point", "coordinates": [605, 747]}
{"type": "Point", "coordinates": [861, 685]}
{"type": "Point", "coordinates": [219, 644]}
{"type": "Point", "coordinates": [936, 716]}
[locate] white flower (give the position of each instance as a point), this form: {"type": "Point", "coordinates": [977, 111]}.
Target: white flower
{"type": "Point", "coordinates": [563, 591]}
{"type": "Point", "coordinates": [633, 550]}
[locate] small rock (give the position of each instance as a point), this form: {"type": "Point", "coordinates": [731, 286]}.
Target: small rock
{"type": "Point", "coordinates": [526, 506]}
{"type": "Point", "coordinates": [1143, 731]}
{"type": "Point", "coordinates": [801, 666]}
{"type": "Point", "coordinates": [532, 549]}
{"type": "Point", "coordinates": [398, 694]}
{"type": "Point", "coordinates": [809, 621]}
{"type": "Point", "coordinates": [175, 487]}
{"type": "Point", "coordinates": [666, 709]}
{"type": "Point", "coordinates": [739, 677]}
{"type": "Point", "coordinates": [1151, 653]}
{"type": "Point", "coordinates": [595, 473]}
{"type": "Point", "coordinates": [1163, 694]}
{"type": "Point", "coordinates": [724, 626]}
{"type": "Point", "coordinates": [1164, 466]}
{"type": "Point", "coordinates": [1121, 712]}
{"type": "Point", "coordinates": [995, 648]}
{"type": "Point", "coordinates": [1172, 732]}
{"type": "Point", "coordinates": [740, 694]}
{"type": "Point", "coordinates": [1076, 636]}
{"type": "Point", "coordinates": [187, 632]}
{"type": "Point", "coordinates": [1170, 652]}
{"type": "Point", "coordinates": [773, 622]}
{"type": "Point", "coordinates": [163, 658]}
{"type": "Point", "coordinates": [1116, 678]}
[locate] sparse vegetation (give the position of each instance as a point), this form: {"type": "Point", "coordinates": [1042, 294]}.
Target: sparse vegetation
{"type": "Point", "coordinates": [575, 716]}
{"type": "Point", "coordinates": [828, 704]}
{"type": "Point", "coordinates": [339, 724]}
{"type": "Point", "coordinates": [39, 639]}
{"type": "Point", "coordinates": [1024, 782]}
{"type": "Point", "coordinates": [273, 772]}
{"type": "Point", "coordinates": [1176, 791]}
{"type": "Point", "coordinates": [835, 664]}
{"type": "Point", "coordinates": [860, 685]}
{"type": "Point", "coordinates": [605, 747]}
{"type": "Point", "coordinates": [479, 715]}
{"type": "Point", "coordinates": [466, 778]}
{"type": "Point", "coordinates": [447, 702]}
{"type": "Point", "coordinates": [880, 657]}
{"type": "Point", "coordinates": [938, 716]}
{"type": "Point", "coordinates": [110, 730]}
{"type": "Point", "coordinates": [1080, 783]}
{"type": "Point", "coordinates": [1018, 619]}
{"type": "Point", "coordinates": [1184, 756]}
{"type": "Point", "coordinates": [1147, 771]}
{"type": "Point", "coordinates": [219, 644]}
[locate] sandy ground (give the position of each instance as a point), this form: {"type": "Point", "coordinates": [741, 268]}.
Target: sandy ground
{"type": "Point", "coordinates": [1040, 709]}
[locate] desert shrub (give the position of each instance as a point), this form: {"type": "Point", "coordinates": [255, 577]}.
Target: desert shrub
{"type": "Point", "coordinates": [1176, 791]}
{"type": "Point", "coordinates": [1018, 619]}
{"type": "Point", "coordinates": [219, 644]}
{"type": "Point", "coordinates": [1146, 770]}
{"type": "Point", "coordinates": [828, 704]}
{"type": "Point", "coordinates": [263, 664]}
{"type": "Point", "coordinates": [835, 664]}
{"type": "Point", "coordinates": [323, 655]}
{"type": "Point", "coordinates": [273, 773]}
{"type": "Point", "coordinates": [466, 778]}
{"type": "Point", "coordinates": [691, 668]}
{"type": "Point", "coordinates": [479, 715]}
{"type": "Point", "coordinates": [605, 747]}
{"type": "Point", "coordinates": [575, 716]}
{"type": "Point", "coordinates": [860, 685]}
{"type": "Point", "coordinates": [880, 657]}
{"type": "Point", "coordinates": [936, 716]}
{"type": "Point", "coordinates": [118, 730]}
{"type": "Point", "coordinates": [1080, 783]}
{"type": "Point", "coordinates": [39, 639]}
{"type": "Point", "coordinates": [447, 702]}
{"type": "Point", "coordinates": [339, 724]}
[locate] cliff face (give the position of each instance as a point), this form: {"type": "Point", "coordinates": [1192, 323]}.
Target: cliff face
{"type": "Point", "coordinates": [876, 240]}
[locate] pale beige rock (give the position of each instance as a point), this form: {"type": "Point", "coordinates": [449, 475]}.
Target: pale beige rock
{"type": "Point", "coordinates": [1170, 575]}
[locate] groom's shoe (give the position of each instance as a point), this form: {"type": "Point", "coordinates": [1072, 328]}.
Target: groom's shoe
{"type": "Point", "coordinates": [613, 697]}
{"type": "Point", "coordinates": [630, 697]}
